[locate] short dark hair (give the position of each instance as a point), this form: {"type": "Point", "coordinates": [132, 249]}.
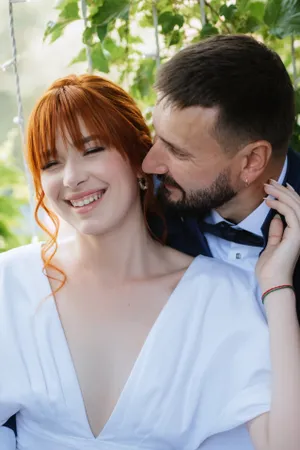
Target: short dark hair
{"type": "Point", "coordinates": [245, 79]}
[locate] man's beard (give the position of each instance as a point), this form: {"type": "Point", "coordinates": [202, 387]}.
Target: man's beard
{"type": "Point", "coordinates": [197, 203]}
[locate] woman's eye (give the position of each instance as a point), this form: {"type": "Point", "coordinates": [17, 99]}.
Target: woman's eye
{"type": "Point", "coordinates": [94, 150]}
{"type": "Point", "coordinates": [49, 164]}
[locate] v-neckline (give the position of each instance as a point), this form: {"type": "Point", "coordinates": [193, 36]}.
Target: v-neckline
{"type": "Point", "coordinates": [76, 390]}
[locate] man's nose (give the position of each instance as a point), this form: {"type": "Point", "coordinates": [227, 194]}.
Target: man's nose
{"type": "Point", "coordinates": [154, 161]}
{"type": "Point", "coordinates": [74, 174]}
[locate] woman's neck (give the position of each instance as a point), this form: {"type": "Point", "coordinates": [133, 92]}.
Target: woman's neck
{"type": "Point", "coordinates": [124, 252]}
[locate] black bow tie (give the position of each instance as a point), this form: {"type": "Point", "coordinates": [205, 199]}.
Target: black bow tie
{"type": "Point", "coordinates": [226, 231]}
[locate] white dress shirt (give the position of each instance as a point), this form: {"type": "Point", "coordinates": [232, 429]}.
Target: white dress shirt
{"type": "Point", "coordinates": [243, 256]}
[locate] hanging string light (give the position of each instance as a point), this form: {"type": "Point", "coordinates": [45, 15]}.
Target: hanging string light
{"type": "Point", "coordinates": [87, 47]}
{"type": "Point", "coordinates": [19, 120]}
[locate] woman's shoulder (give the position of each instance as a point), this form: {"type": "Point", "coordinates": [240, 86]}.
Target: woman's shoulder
{"type": "Point", "coordinates": [19, 258]}
{"type": "Point", "coordinates": [20, 270]}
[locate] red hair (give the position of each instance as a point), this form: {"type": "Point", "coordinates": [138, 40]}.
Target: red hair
{"type": "Point", "coordinates": [108, 112]}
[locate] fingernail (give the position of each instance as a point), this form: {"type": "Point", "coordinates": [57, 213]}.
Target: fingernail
{"type": "Point", "coordinates": [277, 216]}
{"type": "Point", "coordinates": [273, 181]}
{"type": "Point", "coordinates": [291, 187]}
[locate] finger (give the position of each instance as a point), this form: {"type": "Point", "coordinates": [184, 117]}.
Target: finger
{"type": "Point", "coordinates": [290, 187]}
{"type": "Point", "coordinates": [285, 189]}
{"type": "Point", "coordinates": [275, 231]}
{"type": "Point", "coordinates": [291, 218]}
{"type": "Point", "coordinates": [285, 196]}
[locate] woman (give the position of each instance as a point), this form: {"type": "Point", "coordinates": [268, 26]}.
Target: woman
{"type": "Point", "coordinates": [114, 341]}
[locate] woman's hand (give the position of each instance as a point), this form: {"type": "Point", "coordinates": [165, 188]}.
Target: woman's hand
{"type": "Point", "coordinates": [277, 262]}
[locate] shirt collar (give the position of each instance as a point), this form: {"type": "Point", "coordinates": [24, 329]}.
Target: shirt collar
{"type": "Point", "coordinates": [254, 221]}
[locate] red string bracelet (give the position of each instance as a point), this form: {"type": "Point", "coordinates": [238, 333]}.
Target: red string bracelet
{"type": "Point", "coordinates": [276, 288]}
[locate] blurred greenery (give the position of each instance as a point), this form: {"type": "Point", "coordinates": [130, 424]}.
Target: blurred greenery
{"type": "Point", "coordinates": [115, 45]}
{"type": "Point", "coordinates": [13, 196]}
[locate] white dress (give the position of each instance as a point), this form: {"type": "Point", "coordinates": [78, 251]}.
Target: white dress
{"type": "Point", "coordinates": [203, 372]}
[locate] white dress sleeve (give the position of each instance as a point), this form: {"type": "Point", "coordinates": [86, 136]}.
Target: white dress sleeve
{"type": "Point", "coordinates": [239, 375]}
{"type": "Point", "coordinates": [9, 352]}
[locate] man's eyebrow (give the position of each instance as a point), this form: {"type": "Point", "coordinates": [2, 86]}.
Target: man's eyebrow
{"type": "Point", "coordinates": [174, 147]}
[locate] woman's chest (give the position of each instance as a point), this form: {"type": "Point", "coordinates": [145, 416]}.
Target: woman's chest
{"type": "Point", "coordinates": [105, 333]}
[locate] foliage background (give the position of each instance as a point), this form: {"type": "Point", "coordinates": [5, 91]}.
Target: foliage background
{"type": "Point", "coordinates": [126, 40]}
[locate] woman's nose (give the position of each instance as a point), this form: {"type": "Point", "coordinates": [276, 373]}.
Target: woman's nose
{"type": "Point", "coordinates": [74, 174]}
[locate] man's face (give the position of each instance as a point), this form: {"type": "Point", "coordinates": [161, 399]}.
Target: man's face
{"type": "Point", "coordinates": [196, 174]}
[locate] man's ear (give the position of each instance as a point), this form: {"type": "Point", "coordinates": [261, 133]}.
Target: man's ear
{"type": "Point", "coordinates": [255, 159]}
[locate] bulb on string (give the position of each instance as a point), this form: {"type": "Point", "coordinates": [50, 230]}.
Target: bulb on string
{"type": "Point", "coordinates": [7, 65]}
{"type": "Point", "coordinates": [18, 120]}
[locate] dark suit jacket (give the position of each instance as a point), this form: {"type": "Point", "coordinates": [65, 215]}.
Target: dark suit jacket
{"type": "Point", "coordinates": [186, 236]}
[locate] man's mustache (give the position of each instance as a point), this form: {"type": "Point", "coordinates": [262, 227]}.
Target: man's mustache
{"type": "Point", "coordinates": [167, 179]}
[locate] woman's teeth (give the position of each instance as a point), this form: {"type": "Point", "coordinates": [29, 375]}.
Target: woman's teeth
{"type": "Point", "coordinates": [86, 200]}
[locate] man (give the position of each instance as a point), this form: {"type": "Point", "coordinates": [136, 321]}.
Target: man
{"type": "Point", "coordinates": [223, 122]}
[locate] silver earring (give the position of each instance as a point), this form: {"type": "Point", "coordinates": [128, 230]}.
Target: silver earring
{"type": "Point", "coordinates": [143, 184]}
{"type": "Point", "coordinates": [247, 182]}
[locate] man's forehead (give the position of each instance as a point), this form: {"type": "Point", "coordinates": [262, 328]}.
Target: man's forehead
{"type": "Point", "coordinates": [187, 123]}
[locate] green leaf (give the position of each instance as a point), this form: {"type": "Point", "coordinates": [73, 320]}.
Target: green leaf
{"type": "Point", "coordinates": [87, 37]}
{"type": "Point", "coordinates": [116, 52]}
{"type": "Point", "coordinates": [242, 5]}
{"type": "Point", "coordinates": [146, 21]}
{"type": "Point", "coordinates": [272, 12]}
{"type": "Point", "coordinates": [102, 31]}
{"type": "Point", "coordinates": [123, 31]}
{"type": "Point", "coordinates": [63, 3]}
{"type": "Point", "coordinates": [54, 30]}
{"type": "Point", "coordinates": [283, 17]}
{"type": "Point", "coordinates": [249, 24]}
{"type": "Point", "coordinates": [144, 79]}
{"type": "Point", "coordinates": [168, 21]}
{"type": "Point", "coordinates": [96, 3]}
{"type": "Point", "coordinates": [228, 11]}
{"type": "Point", "coordinates": [70, 11]}
{"type": "Point", "coordinates": [174, 38]}
{"type": "Point", "coordinates": [81, 57]}
{"type": "Point", "coordinates": [208, 30]}
{"type": "Point", "coordinates": [109, 11]}
{"type": "Point", "coordinates": [257, 10]}
{"type": "Point", "coordinates": [99, 59]}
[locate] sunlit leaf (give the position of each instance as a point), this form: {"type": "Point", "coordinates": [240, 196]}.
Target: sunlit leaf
{"type": "Point", "coordinates": [110, 10]}
{"type": "Point", "coordinates": [99, 59]}
{"type": "Point", "coordinates": [116, 52]}
{"type": "Point", "coordinates": [257, 9]}
{"type": "Point", "coordinates": [70, 11]}
{"type": "Point", "coordinates": [102, 31]}
{"type": "Point", "coordinates": [283, 17]}
{"type": "Point", "coordinates": [144, 79]}
{"type": "Point", "coordinates": [87, 36]}
{"type": "Point", "coordinates": [208, 30]}
{"type": "Point", "coordinates": [228, 11]}
{"type": "Point", "coordinates": [54, 30]}
{"type": "Point", "coordinates": [169, 20]}
{"type": "Point", "coordinates": [81, 57]}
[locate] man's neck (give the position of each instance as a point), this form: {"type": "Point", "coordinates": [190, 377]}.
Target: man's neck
{"type": "Point", "coordinates": [249, 198]}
